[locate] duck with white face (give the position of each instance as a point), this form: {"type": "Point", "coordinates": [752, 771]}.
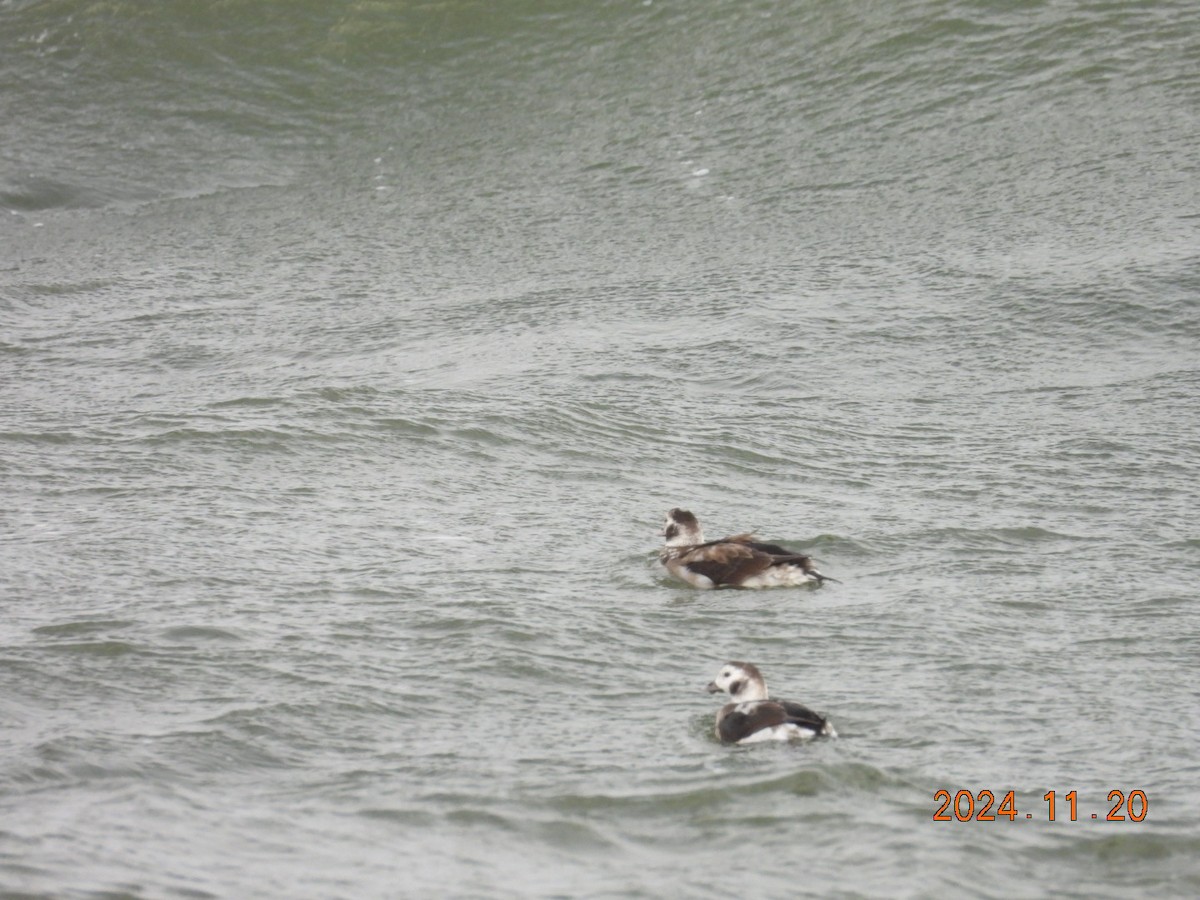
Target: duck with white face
{"type": "Point", "coordinates": [752, 716]}
{"type": "Point", "coordinates": [736, 561]}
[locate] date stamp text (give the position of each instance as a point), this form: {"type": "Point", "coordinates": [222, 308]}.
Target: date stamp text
{"type": "Point", "coordinates": [981, 806]}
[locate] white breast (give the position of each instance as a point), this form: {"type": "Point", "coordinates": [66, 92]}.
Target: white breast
{"type": "Point", "coordinates": [785, 732]}
{"type": "Point", "coordinates": [682, 572]}
{"type": "Point", "coordinates": [780, 576]}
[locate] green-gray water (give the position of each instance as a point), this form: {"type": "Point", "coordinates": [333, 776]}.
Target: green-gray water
{"type": "Point", "coordinates": [352, 352]}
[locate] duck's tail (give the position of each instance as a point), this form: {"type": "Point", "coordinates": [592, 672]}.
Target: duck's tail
{"type": "Point", "coordinates": [821, 579]}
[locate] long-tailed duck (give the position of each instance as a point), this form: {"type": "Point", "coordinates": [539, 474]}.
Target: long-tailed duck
{"type": "Point", "coordinates": [752, 717]}
{"type": "Point", "coordinates": [737, 561]}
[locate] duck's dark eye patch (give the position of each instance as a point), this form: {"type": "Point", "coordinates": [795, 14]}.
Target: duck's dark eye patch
{"type": "Point", "coordinates": [736, 687]}
{"type": "Point", "coordinates": [671, 530]}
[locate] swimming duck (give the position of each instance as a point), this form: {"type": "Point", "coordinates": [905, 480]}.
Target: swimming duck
{"type": "Point", "coordinates": [752, 717]}
{"type": "Point", "coordinates": [737, 561]}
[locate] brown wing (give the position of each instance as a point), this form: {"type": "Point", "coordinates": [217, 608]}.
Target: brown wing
{"type": "Point", "coordinates": [747, 540]}
{"type": "Point", "coordinates": [783, 556]}
{"type": "Point", "coordinates": [727, 562]}
{"type": "Point", "coordinates": [740, 720]}
{"type": "Point", "coordinates": [801, 715]}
